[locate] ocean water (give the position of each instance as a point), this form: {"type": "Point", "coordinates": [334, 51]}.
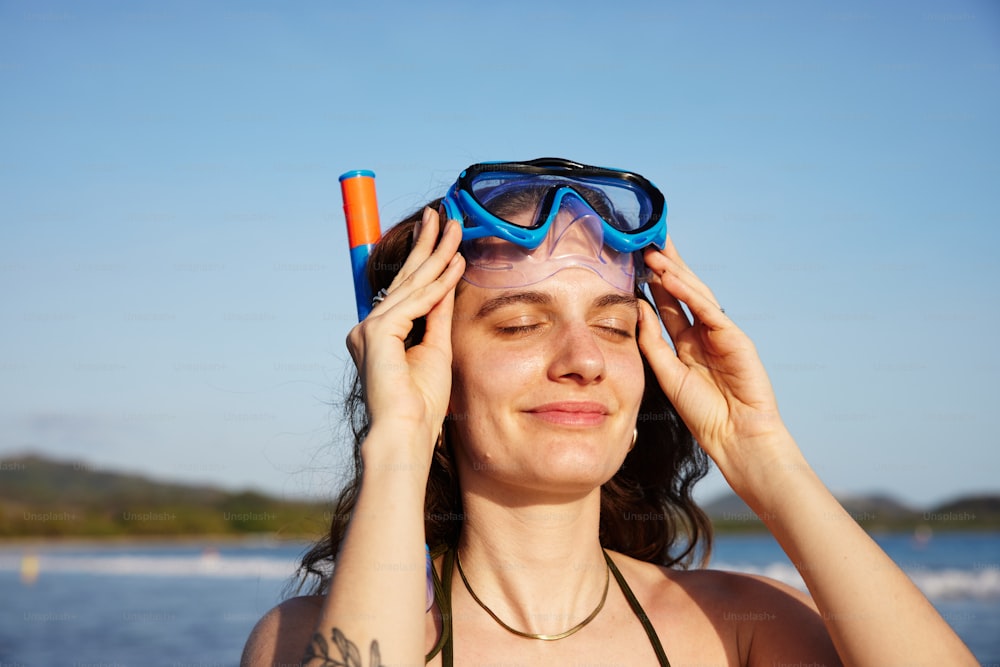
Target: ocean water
{"type": "Point", "coordinates": [958, 572]}
{"type": "Point", "coordinates": [194, 605]}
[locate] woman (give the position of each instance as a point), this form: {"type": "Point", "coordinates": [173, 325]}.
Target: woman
{"type": "Point", "coordinates": [521, 418]}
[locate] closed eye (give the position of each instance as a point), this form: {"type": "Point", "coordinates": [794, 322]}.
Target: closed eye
{"type": "Point", "coordinates": [616, 331]}
{"type": "Point", "coordinates": [617, 315]}
{"type": "Point", "coordinates": [520, 325]}
{"type": "Point", "coordinates": [519, 329]}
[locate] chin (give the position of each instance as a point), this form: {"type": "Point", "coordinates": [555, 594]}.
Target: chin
{"type": "Point", "coordinates": [576, 469]}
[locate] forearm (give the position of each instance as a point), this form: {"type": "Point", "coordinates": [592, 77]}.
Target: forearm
{"type": "Point", "coordinates": [874, 613]}
{"type": "Point", "coordinates": [377, 594]}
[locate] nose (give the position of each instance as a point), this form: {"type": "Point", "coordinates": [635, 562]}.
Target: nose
{"type": "Point", "coordinates": [578, 356]}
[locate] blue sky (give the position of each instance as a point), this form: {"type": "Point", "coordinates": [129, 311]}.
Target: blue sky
{"type": "Point", "coordinates": [173, 267]}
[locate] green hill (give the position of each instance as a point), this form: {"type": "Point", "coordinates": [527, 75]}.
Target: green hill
{"type": "Point", "coordinates": [876, 512]}
{"type": "Point", "coordinates": [43, 497]}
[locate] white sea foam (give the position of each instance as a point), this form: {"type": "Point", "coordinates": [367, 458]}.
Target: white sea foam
{"type": "Point", "coordinates": [980, 583]}
{"type": "Point", "coordinates": [955, 584]}
{"type": "Point", "coordinates": [936, 584]}
{"type": "Point", "coordinates": [204, 565]}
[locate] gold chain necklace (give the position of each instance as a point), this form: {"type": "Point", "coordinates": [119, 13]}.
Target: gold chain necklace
{"type": "Point", "coordinates": [548, 638]}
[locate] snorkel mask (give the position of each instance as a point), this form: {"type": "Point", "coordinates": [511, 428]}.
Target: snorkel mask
{"type": "Point", "coordinates": [524, 221]}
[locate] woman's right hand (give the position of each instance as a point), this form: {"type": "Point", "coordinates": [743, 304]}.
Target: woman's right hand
{"type": "Point", "coordinates": [409, 389]}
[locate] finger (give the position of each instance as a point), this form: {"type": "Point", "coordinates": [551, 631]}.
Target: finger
{"type": "Point", "coordinates": [664, 268]}
{"type": "Point", "coordinates": [704, 309]}
{"type": "Point", "coordinates": [668, 261]}
{"type": "Point", "coordinates": [355, 344]}
{"type": "Point", "coordinates": [671, 250]}
{"type": "Point", "coordinates": [675, 319]}
{"type": "Point", "coordinates": [397, 313]}
{"type": "Point", "coordinates": [668, 273]}
{"type": "Point", "coordinates": [692, 277]}
{"type": "Point", "coordinates": [429, 270]}
{"type": "Point", "coordinates": [425, 237]}
{"type": "Point", "coordinates": [669, 370]}
{"type": "Point", "coordinates": [439, 319]}
{"type": "Point", "coordinates": [684, 285]}
{"type": "Point", "coordinates": [433, 266]}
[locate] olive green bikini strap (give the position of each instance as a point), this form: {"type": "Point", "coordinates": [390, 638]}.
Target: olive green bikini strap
{"type": "Point", "coordinates": [639, 612]}
{"type": "Point", "coordinates": [442, 597]}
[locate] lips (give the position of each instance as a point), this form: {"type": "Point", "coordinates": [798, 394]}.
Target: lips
{"type": "Point", "coordinates": [571, 413]}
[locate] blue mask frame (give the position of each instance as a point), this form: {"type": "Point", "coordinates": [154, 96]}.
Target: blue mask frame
{"type": "Point", "coordinates": [629, 232]}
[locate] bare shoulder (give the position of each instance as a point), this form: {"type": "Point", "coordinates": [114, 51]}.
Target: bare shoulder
{"type": "Point", "coordinates": [281, 636]}
{"type": "Point", "coordinates": [709, 586]}
{"type": "Point", "coordinates": [759, 620]}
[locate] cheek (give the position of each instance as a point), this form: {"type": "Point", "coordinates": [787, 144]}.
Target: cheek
{"type": "Point", "coordinates": [631, 375]}
{"type": "Point", "coordinates": [493, 377]}
{"type": "Point", "coordinates": [484, 396]}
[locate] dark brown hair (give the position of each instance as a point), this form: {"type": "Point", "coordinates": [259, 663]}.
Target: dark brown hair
{"type": "Point", "coordinates": [647, 510]}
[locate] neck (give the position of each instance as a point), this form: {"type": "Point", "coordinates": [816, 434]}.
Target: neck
{"type": "Point", "coordinates": [539, 566]}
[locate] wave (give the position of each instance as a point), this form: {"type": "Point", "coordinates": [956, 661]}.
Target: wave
{"type": "Point", "coordinates": [208, 564]}
{"type": "Point", "coordinates": [936, 584]}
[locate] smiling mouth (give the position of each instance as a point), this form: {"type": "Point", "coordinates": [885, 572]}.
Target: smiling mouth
{"type": "Point", "coordinates": [571, 413]}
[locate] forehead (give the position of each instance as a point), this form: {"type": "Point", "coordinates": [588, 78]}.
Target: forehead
{"type": "Point", "coordinates": [569, 289]}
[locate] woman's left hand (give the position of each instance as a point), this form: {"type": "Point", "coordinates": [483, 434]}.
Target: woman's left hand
{"type": "Point", "coordinates": [714, 379]}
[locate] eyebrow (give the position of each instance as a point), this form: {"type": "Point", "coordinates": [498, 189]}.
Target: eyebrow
{"type": "Point", "coordinates": [543, 298]}
{"type": "Point", "coordinates": [508, 298]}
{"type": "Point", "coordinates": [617, 299]}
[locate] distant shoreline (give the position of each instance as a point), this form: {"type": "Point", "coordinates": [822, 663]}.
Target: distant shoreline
{"type": "Point", "coordinates": [49, 502]}
{"type": "Point", "coordinates": [69, 541]}
{"type": "Point", "coordinates": [268, 539]}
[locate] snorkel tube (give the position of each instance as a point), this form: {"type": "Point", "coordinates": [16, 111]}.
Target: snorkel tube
{"type": "Point", "coordinates": [363, 230]}
{"type": "Point", "coordinates": [357, 188]}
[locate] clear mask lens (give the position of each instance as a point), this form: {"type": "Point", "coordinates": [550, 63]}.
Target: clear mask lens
{"type": "Point", "coordinates": [508, 196]}
{"type": "Point", "coordinates": [575, 238]}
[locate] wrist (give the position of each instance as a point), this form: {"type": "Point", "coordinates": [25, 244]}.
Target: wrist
{"type": "Point", "coordinates": [764, 470]}
{"type": "Point", "coordinates": [399, 451]}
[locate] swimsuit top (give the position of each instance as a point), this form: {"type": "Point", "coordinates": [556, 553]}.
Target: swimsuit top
{"type": "Point", "coordinates": [442, 593]}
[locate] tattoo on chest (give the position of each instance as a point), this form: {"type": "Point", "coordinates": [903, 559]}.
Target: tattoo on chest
{"type": "Point", "coordinates": [318, 654]}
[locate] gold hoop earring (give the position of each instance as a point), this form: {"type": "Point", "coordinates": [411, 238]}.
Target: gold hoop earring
{"type": "Point", "coordinates": [635, 436]}
{"type": "Point", "coordinates": [440, 439]}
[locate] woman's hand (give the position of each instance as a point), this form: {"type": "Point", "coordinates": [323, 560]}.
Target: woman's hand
{"type": "Point", "coordinates": [872, 611]}
{"type": "Point", "coordinates": [409, 388]}
{"type": "Point", "coordinates": [714, 379]}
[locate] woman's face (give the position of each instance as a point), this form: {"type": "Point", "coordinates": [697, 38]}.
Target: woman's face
{"type": "Point", "coordinates": [547, 382]}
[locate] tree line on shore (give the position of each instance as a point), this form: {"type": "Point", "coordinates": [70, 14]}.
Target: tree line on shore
{"type": "Point", "coordinates": [41, 497]}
